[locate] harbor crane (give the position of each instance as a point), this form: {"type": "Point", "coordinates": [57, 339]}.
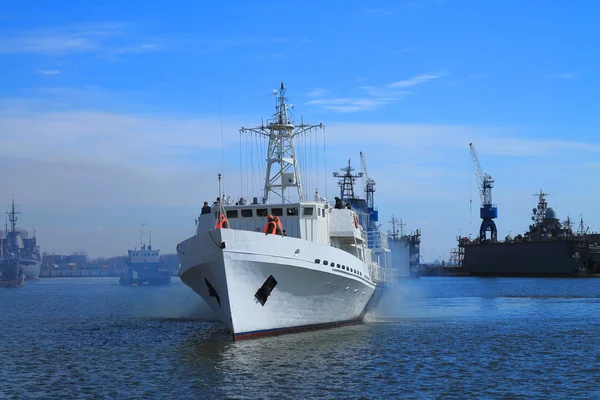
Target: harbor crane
{"type": "Point", "coordinates": [488, 212]}
{"type": "Point", "coordinates": [369, 186]}
{"type": "Point", "coordinates": [369, 183]}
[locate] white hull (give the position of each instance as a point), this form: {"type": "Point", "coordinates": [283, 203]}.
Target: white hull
{"type": "Point", "coordinates": [32, 270]}
{"type": "Point", "coordinates": [307, 294]}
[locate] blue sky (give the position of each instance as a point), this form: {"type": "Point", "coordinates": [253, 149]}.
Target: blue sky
{"type": "Point", "coordinates": [110, 111]}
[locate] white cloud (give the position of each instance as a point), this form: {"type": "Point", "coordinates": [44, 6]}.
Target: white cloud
{"type": "Point", "coordinates": [108, 37]}
{"type": "Point", "coordinates": [375, 95]}
{"type": "Point", "coordinates": [49, 72]}
{"type": "Point", "coordinates": [416, 80]}
{"type": "Point", "coordinates": [347, 105]}
{"type": "Point", "coordinates": [102, 136]}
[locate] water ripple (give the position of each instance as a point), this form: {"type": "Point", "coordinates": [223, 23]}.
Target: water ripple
{"type": "Point", "coordinates": [450, 338]}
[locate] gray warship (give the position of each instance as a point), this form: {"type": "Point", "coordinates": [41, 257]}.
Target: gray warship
{"type": "Point", "coordinates": [406, 249]}
{"type": "Point", "coordinates": [549, 248]}
{"type": "Point", "coordinates": [19, 254]}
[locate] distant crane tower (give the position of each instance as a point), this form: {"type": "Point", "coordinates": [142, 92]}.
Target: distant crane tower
{"type": "Point", "coordinates": [487, 211]}
{"type": "Point", "coordinates": [369, 190]}
{"type": "Point", "coordinates": [369, 183]}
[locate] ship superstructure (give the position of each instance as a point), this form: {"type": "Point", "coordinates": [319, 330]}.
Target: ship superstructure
{"type": "Point", "coordinates": [145, 264]}
{"type": "Point", "coordinates": [319, 272]}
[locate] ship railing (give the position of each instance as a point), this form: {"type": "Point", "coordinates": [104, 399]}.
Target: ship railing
{"type": "Point", "coordinates": [381, 275]}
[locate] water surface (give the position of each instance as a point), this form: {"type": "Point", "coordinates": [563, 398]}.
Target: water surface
{"type": "Point", "coordinates": [454, 337]}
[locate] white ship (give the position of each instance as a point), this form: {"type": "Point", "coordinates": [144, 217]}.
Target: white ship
{"type": "Point", "coordinates": [321, 274]}
{"type": "Point", "coordinates": [31, 268]}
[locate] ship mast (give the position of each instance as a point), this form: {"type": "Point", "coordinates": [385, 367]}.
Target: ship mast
{"type": "Point", "coordinates": [346, 181]}
{"type": "Point", "coordinates": [12, 216]}
{"type": "Point", "coordinates": [282, 166]}
{"type": "Point", "coordinates": [539, 213]}
{"type": "Point", "coordinates": [394, 234]}
{"type": "Point", "coordinates": [143, 236]}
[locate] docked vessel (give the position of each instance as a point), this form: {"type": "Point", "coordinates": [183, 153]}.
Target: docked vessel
{"type": "Point", "coordinates": [24, 248]}
{"type": "Point", "coordinates": [397, 251]}
{"type": "Point", "coordinates": [145, 265]}
{"type": "Point", "coordinates": [406, 249]}
{"type": "Point", "coordinates": [548, 248]}
{"type": "Point", "coordinates": [11, 273]}
{"type": "Point", "coordinates": [315, 272]}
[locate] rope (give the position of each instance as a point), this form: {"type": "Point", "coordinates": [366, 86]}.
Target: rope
{"type": "Point", "coordinates": [325, 157]}
{"type": "Point", "coordinates": [317, 158]}
{"type": "Point", "coordinates": [241, 167]}
{"type": "Point", "coordinates": [247, 166]}
{"type": "Point", "coordinates": [222, 144]}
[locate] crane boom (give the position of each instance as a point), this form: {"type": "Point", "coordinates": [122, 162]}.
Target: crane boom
{"type": "Point", "coordinates": [484, 181]}
{"type": "Point", "coordinates": [478, 171]}
{"type": "Point", "coordinates": [369, 183]}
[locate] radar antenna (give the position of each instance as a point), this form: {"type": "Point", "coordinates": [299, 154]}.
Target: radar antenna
{"type": "Point", "coordinates": [346, 181]}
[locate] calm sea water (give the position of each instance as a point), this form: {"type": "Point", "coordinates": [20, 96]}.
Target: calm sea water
{"type": "Point", "coordinates": [430, 338]}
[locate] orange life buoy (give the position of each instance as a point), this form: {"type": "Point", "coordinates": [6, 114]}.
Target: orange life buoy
{"type": "Point", "coordinates": [356, 221]}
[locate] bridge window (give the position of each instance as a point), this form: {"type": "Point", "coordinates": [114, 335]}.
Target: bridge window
{"type": "Point", "coordinates": [277, 212]}
{"type": "Point", "coordinates": [308, 211]}
{"type": "Point", "coordinates": [317, 261]}
{"type": "Point", "coordinates": [325, 262]}
{"type": "Point", "coordinates": [262, 212]}
{"type": "Point", "coordinates": [232, 213]}
{"type": "Point", "coordinates": [291, 211]}
{"type": "Point", "coordinates": [246, 213]}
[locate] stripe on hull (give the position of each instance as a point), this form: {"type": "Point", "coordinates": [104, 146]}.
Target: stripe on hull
{"type": "Point", "coordinates": [295, 329]}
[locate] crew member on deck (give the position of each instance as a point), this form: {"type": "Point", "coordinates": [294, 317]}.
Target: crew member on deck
{"type": "Point", "coordinates": [222, 222]}
{"type": "Point", "coordinates": [339, 204]}
{"type": "Point", "coordinates": [279, 229]}
{"type": "Point", "coordinates": [271, 226]}
{"type": "Point", "coordinates": [205, 208]}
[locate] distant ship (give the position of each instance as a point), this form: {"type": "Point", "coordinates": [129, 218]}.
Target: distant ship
{"type": "Point", "coordinates": [145, 265]}
{"type": "Point", "coordinates": [263, 281]}
{"type": "Point", "coordinates": [406, 249]}
{"type": "Point", "coordinates": [377, 240]}
{"type": "Point", "coordinates": [25, 249]}
{"type": "Point", "coordinates": [548, 248]}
